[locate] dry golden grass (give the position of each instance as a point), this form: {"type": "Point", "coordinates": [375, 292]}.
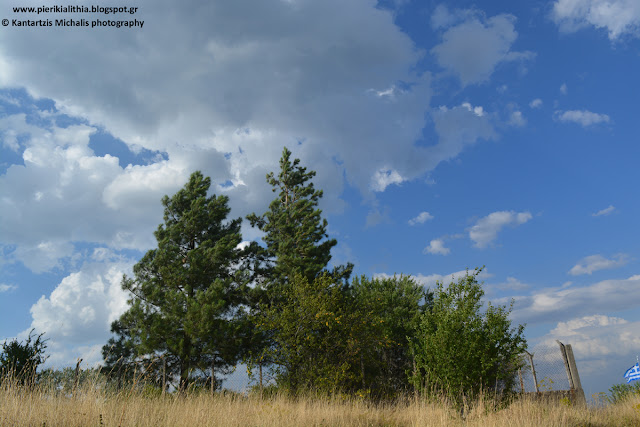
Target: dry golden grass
{"type": "Point", "coordinates": [20, 406]}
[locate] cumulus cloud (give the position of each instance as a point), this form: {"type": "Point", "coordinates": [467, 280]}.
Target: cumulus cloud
{"type": "Point", "coordinates": [486, 229]}
{"type": "Point", "coordinates": [288, 72]}
{"type": "Point", "coordinates": [560, 303]}
{"type": "Point", "coordinates": [437, 247]}
{"type": "Point", "coordinates": [421, 218]}
{"type": "Point", "coordinates": [6, 288]}
{"type": "Point", "coordinates": [588, 265]}
{"type": "Point", "coordinates": [77, 315]}
{"type": "Point", "coordinates": [536, 103]}
{"type": "Point", "coordinates": [472, 49]}
{"type": "Point", "coordinates": [604, 212]}
{"type": "Point", "coordinates": [617, 17]}
{"type": "Point", "coordinates": [582, 117]}
{"type": "Point", "coordinates": [65, 193]}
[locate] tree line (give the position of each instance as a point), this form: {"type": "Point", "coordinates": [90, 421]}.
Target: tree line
{"type": "Point", "coordinates": [202, 302]}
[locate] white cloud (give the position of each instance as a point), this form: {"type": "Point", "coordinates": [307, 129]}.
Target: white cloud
{"type": "Point", "coordinates": [588, 265]}
{"type": "Point", "coordinates": [289, 72]}
{"type": "Point", "coordinates": [552, 304]}
{"type": "Point", "coordinates": [517, 119]}
{"type": "Point", "coordinates": [486, 229]}
{"type": "Point", "coordinates": [385, 177]}
{"type": "Point", "coordinates": [6, 288]}
{"type": "Point", "coordinates": [473, 48]}
{"type": "Point", "coordinates": [421, 218]}
{"type": "Point", "coordinates": [536, 103]}
{"type": "Point", "coordinates": [43, 256]}
{"type": "Point", "coordinates": [618, 17]}
{"type": "Point", "coordinates": [436, 247]}
{"type": "Point", "coordinates": [77, 315]}
{"type": "Point", "coordinates": [582, 117]}
{"type": "Point", "coordinates": [605, 211]}
{"type": "Point", "coordinates": [65, 193]}
{"type": "Point", "coordinates": [563, 89]}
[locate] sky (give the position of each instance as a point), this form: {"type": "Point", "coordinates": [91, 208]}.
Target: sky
{"type": "Point", "coordinates": [445, 136]}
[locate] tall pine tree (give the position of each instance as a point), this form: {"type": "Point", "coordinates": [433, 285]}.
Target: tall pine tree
{"type": "Point", "coordinates": [187, 295]}
{"type": "Point", "coordinates": [295, 233]}
{"type": "Point", "coordinates": [296, 246]}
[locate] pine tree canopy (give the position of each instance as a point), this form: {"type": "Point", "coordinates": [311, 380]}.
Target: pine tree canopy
{"type": "Point", "coordinates": [295, 233]}
{"type": "Point", "coordinates": [187, 294]}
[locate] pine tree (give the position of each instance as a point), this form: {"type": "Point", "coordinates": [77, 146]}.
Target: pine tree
{"type": "Point", "coordinates": [295, 233]}
{"type": "Point", "coordinates": [187, 295]}
{"type": "Point", "coordinates": [297, 246]}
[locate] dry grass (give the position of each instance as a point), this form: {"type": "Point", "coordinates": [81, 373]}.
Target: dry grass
{"type": "Point", "coordinates": [20, 406]}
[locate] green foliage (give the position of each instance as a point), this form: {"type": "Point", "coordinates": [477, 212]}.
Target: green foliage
{"type": "Point", "coordinates": [327, 340]}
{"type": "Point", "coordinates": [21, 359]}
{"type": "Point", "coordinates": [460, 349]}
{"type": "Point", "coordinates": [186, 295]}
{"type": "Point", "coordinates": [621, 392]}
{"type": "Point", "coordinates": [312, 347]}
{"type": "Point", "coordinates": [295, 232]}
{"type": "Point", "coordinates": [386, 313]}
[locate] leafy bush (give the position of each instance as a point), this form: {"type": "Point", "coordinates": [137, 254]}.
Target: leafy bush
{"type": "Point", "coordinates": [462, 349]}
{"type": "Point", "coordinates": [21, 360]}
{"type": "Point", "coordinates": [621, 392]}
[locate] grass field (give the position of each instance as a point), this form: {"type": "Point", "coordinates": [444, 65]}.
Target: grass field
{"type": "Point", "coordinates": [40, 406]}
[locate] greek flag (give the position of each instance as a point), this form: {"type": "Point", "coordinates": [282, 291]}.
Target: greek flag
{"type": "Point", "coordinates": [632, 373]}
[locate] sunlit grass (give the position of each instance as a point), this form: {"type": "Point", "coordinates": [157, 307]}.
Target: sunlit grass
{"type": "Point", "coordinates": [92, 405]}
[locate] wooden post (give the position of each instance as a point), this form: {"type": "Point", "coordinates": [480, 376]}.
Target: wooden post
{"type": "Point", "coordinates": [563, 352]}
{"type": "Point", "coordinates": [533, 372]}
{"type": "Point", "coordinates": [575, 378]}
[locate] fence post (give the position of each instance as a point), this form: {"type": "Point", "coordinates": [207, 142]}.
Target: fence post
{"type": "Point", "coordinates": [575, 378]}
{"type": "Point", "coordinates": [533, 372]}
{"type": "Point", "coordinates": [563, 352]}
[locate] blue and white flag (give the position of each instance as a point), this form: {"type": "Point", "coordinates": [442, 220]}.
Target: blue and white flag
{"type": "Point", "coordinates": [632, 373]}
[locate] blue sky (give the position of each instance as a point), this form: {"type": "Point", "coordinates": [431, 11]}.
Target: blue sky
{"type": "Point", "coordinates": [445, 137]}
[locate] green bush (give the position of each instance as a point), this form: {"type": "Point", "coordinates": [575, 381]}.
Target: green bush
{"type": "Point", "coordinates": [462, 349]}
{"type": "Point", "coordinates": [621, 392]}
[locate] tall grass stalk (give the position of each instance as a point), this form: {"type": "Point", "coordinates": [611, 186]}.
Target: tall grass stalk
{"type": "Point", "coordinates": [93, 404]}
